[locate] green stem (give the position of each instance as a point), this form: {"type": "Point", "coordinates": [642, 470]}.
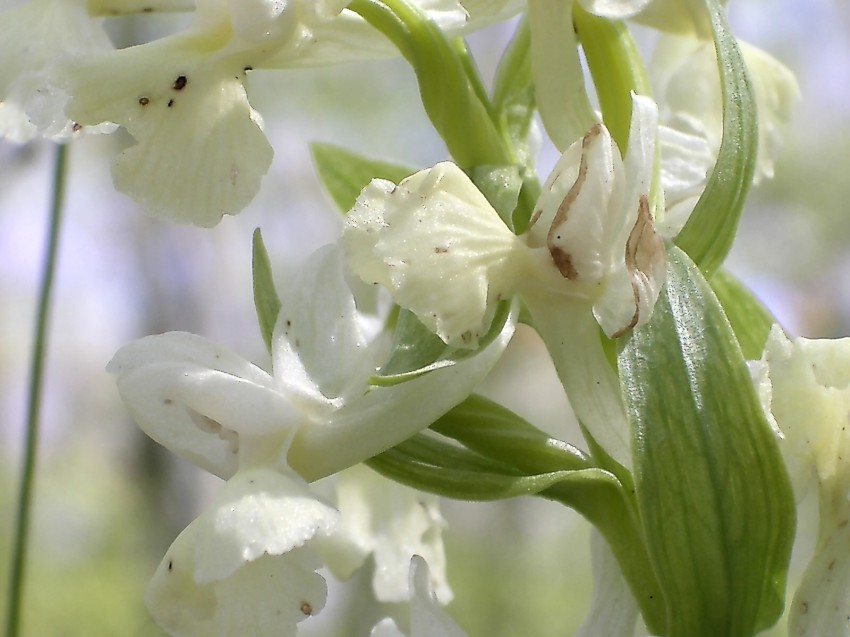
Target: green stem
{"type": "Point", "coordinates": [19, 548]}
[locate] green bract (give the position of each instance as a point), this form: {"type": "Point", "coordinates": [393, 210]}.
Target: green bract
{"type": "Point", "coordinates": [714, 497]}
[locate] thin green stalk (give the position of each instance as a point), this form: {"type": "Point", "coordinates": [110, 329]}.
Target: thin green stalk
{"type": "Point", "coordinates": [19, 547]}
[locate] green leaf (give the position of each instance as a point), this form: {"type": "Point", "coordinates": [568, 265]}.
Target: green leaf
{"type": "Point", "coordinates": [451, 93]}
{"type": "Point", "coordinates": [714, 498]}
{"type": "Point", "coordinates": [266, 300]}
{"type": "Point", "coordinates": [417, 350]}
{"type": "Point", "coordinates": [708, 234]}
{"type": "Point", "coordinates": [498, 433]}
{"type": "Point", "coordinates": [451, 471]}
{"type": "Point", "coordinates": [345, 173]}
{"type": "Point", "coordinates": [750, 319]}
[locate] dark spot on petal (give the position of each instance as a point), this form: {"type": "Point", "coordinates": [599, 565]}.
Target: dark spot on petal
{"type": "Point", "coordinates": [144, 101]}
{"type": "Point", "coordinates": [77, 127]}
{"type": "Point", "coordinates": [439, 250]}
{"type": "Point", "coordinates": [168, 401]}
{"type": "Point", "coordinates": [147, 10]}
{"type": "Point", "coordinates": [170, 565]}
{"type": "Point", "coordinates": [306, 608]}
{"type": "Point", "coordinates": [248, 68]}
{"type": "Point", "coordinates": [180, 83]}
{"type": "Point", "coordinates": [170, 103]}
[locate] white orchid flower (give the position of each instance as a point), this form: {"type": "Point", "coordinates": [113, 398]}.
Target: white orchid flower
{"type": "Point", "coordinates": [268, 433]}
{"type": "Point", "coordinates": [427, 619]}
{"type": "Point", "coordinates": [686, 83]}
{"type": "Point", "coordinates": [392, 523]}
{"type": "Point", "coordinates": [805, 389]}
{"type": "Point", "coordinates": [200, 149]}
{"type": "Point", "coordinates": [590, 256]}
{"type": "Point", "coordinates": [246, 566]}
{"type": "Point", "coordinates": [219, 411]}
{"type": "Point", "coordinates": [33, 38]}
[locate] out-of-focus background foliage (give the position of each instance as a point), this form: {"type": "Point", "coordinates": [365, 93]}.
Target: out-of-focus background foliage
{"type": "Point", "coordinates": [109, 502]}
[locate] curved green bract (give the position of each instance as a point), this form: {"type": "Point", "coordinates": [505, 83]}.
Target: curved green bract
{"type": "Point", "coordinates": [708, 234]}
{"type": "Point", "coordinates": [714, 497]}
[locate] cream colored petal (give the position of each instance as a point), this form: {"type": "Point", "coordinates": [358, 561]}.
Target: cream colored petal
{"type": "Point", "coordinates": [438, 246]}
{"type": "Point", "coordinates": [200, 150]}
{"type": "Point", "coordinates": [259, 512]}
{"type": "Point", "coordinates": [264, 598]}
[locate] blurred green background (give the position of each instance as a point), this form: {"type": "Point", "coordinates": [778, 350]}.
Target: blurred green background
{"type": "Point", "coordinates": [109, 502]}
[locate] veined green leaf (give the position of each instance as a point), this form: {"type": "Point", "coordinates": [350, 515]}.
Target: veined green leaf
{"type": "Point", "coordinates": [714, 497]}
{"type": "Point", "coordinates": [496, 432]}
{"type": "Point", "coordinates": [266, 300]}
{"type": "Point", "coordinates": [708, 234]}
{"type": "Point", "coordinates": [345, 173]}
{"type": "Point", "coordinates": [750, 319]}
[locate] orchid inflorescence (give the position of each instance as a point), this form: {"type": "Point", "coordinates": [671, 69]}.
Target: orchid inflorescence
{"type": "Point", "coordinates": [704, 422]}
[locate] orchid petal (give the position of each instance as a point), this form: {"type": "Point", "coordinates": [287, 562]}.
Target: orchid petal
{"type": "Point", "coordinates": [196, 398]}
{"type": "Point", "coordinates": [382, 417]}
{"type": "Point", "coordinates": [462, 261]}
{"type": "Point", "coordinates": [319, 351]}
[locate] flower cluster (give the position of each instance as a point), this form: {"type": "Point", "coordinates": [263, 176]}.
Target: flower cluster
{"type": "Point", "coordinates": [334, 455]}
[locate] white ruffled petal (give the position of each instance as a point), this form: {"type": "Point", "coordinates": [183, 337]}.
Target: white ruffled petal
{"type": "Point", "coordinates": [438, 246]}
{"type": "Point", "coordinates": [265, 597]}
{"type": "Point", "coordinates": [259, 512]}
{"type": "Point", "coordinates": [201, 152]}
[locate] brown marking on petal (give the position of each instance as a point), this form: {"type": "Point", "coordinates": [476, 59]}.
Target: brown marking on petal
{"type": "Point", "coordinates": [170, 103]}
{"type": "Point", "coordinates": [77, 127]}
{"type": "Point", "coordinates": [563, 261]}
{"type": "Point", "coordinates": [440, 250]}
{"type": "Point", "coordinates": [170, 565]}
{"type": "Point", "coordinates": [804, 608]}
{"type": "Point", "coordinates": [167, 401]}
{"type": "Point", "coordinates": [144, 101]}
{"type": "Point", "coordinates": [180, 83]}
{"type": "Point", "coordinates": [306, 608]}
{"type": "Point", "coordinates": [643, 248]}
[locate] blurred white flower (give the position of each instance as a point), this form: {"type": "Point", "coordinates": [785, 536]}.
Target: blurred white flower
{"type": "Point", "coordinates": [687, 86]}
{"type": "Point", "coordinates": [266, 434]}
{"type": "Point", "coordinates": [34, 38]}
{"type": "Point", "coordinates": [590, 255]}
{"type": "Point", "coordinates": [392, 523]}
{"type": "Point", "coordinates": [427, 619]}
{"type": "Point", "coordinates": [805, 389]}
